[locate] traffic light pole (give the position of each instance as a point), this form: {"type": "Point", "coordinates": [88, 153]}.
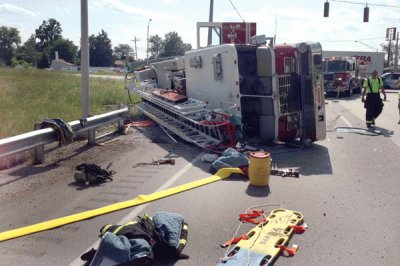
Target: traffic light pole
{"type": "Point", "coordinates": [396, 56]}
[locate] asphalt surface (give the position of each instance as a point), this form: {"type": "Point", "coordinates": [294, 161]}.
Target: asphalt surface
{"type": "Point", "coordinates": [347, 191]}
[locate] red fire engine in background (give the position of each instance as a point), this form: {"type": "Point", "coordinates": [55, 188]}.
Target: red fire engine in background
{"type": "Point", "coordinates": [341, 76]}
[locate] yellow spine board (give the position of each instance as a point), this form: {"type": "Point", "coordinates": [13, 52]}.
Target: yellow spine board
{"type": "Point", "coordinates": [262, 247]}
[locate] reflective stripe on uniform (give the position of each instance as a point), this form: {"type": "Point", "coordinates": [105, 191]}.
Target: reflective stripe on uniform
{"type": "Point", "coordinates": [122, 226]}
{"type": "Point", "coordinates": [105, 229]}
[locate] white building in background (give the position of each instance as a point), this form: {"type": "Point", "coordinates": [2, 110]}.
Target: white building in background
{"type": "Point", "coordinates": [60, 64]}
{"type": "Point", "coordinates": [368, 61]}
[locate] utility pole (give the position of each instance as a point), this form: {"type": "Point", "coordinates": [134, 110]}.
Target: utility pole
{"type": "Point", "coordinates": [396, 56]}
{"type": "Point", "coordinates": [135, 40]}
{"type": "Point", "coordinates": [389, 52]}
{"type": "Point", "coordinates": [147, 50]}
{"type": "Point", "coordinates": [210, 19]}
{"type": "Point", "coordinates": [85, 58]}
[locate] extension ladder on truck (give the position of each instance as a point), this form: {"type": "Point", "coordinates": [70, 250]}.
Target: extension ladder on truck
{"type": "Point", "coordinates": [198, 133]}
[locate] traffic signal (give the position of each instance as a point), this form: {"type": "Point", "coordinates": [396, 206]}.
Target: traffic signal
{"type": "Point", "coordinates": [366, 14]}
{"type": "Point", "coordinates": [326, 9]}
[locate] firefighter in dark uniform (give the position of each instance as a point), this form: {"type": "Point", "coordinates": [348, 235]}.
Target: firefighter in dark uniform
{"type": "Point", "coordinates": [373, 103]}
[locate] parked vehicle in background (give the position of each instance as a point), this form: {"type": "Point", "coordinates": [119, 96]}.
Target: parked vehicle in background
{"type": "Point", "coordinates": [390, 80]}
{"type": "Point", "coordinates": [341, 76]}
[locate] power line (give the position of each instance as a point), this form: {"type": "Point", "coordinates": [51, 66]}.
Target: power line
{"type": "Point", "coordinates": [236, 10]}
{"type": "Point", "coordinates": [364, 3]}
{"type": "Point", "coordinates": [366, 39]}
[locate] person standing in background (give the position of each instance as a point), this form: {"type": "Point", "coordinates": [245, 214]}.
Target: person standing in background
{"type": "Point", "coordinates": [373, 102]}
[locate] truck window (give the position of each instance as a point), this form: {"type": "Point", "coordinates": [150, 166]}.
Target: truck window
{"type": "Point", "coordinates": [317, 59]}
{"type": "Point", "coordinates": [337, 66]}
{"type": "Point", "coordinates": [289, 65]}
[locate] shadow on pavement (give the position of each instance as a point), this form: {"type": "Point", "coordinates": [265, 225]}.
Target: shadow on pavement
{"type": "Point", "coordinates": [255, 191]}
{"type": "Point", "coordinates": [314, 160]}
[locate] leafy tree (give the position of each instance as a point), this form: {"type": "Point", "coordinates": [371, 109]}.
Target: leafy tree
{"type": "Point", "coordinates": [122, 48]}
{"type": "Point", "coordinates": [100, 50]}
{"type": "Point", "coordinates": [27, 52]}
{"type": "Point", "coordinates": [48, 33]}
{"type": "Point", "coordinates": [43, 62]}
{"type": "Point", "coordinates": [173, 45]}
{"type": "Point", "coordinates": [65, 48]}
{"type": "Point", "coordinates": [123, 52]}
{"type": "Point", "coordinates": [9, 41]}
{"type": "Point", "coordinates": [156, 45]}
{"type": "Point", "coordinates": [16, 62]}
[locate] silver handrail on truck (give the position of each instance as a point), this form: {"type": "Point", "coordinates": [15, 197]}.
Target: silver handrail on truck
{"type": "Point", "coordinates": [38, 138]}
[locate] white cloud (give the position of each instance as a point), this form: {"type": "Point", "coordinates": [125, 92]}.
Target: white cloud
{"type": "Point", "coordinates": [119, 6]}
{"type": "Point", "coordinates": [12, 9]}
{"type": "Point", "coordinates": [169, 2]}
{"type": "Point", "coordinates": [65, 10]}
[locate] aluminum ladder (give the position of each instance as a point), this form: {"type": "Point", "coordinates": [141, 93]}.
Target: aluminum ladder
{"type": "Point", "coordinates": [189, 130]}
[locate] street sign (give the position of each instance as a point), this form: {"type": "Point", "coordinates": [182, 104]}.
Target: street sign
{"type": "Point", "coordinates": [390, 34]}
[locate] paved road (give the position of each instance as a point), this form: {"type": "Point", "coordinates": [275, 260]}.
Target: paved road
{"type": "Point", "coordinates": [347, 192]}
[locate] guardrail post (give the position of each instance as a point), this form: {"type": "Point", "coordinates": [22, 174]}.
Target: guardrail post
{"type": "Point", "coordinates": [39, 150]}
{"type": "Point", "coordinates": [121, 121]}
{"type": "Point", "coordinates": [121, 126]}
{"type": "Point", "coordinates": [91, 137]}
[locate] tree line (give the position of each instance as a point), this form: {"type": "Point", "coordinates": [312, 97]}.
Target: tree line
{"type": "Point", "coordinates": [39, 50]}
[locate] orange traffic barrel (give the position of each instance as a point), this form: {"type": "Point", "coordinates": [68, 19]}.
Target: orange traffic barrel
{"type": "Point", "coordinates": [259, 168]}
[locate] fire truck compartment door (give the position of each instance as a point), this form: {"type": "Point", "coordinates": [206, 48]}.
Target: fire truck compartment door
{"type": "Point", "coordinates": [265, 61]}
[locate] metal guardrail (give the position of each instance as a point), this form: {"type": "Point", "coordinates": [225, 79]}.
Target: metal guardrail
{"type": "Point", "coordinates": [38, 138]}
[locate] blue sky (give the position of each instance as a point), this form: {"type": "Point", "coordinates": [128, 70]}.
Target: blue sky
{"type": "Point", "coordinates": [297, 20]}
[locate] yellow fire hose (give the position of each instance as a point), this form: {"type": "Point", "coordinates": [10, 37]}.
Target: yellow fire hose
{"type": "Point", "coordinates": [141, 199]}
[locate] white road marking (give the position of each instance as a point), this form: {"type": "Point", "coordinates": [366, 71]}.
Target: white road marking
{"type": "Point", "coordinates": [139, 209]}
{"type": "Point", "coordinates": [346, 121]}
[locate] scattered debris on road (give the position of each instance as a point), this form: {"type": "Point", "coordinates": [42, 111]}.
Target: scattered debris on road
{"type": "Point", "coordinates": [361, 131]}
{"type": "Point", "coordinates": [140, 242]}
{"type": "Point", "coordinates": [92, 174]}
{"type": "Point", "coordinates": [284, 172]}
{"type": "Point", "coordinates": [170, 161]}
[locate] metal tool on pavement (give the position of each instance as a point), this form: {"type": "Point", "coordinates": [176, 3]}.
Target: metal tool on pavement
{"type": "Point", "coordinates": [293, 172]}
{"type": "Point", "coordinates": [170, 161]}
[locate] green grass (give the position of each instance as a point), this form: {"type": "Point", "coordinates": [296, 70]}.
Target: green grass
{"type": "Point", "coordinates": [28, 96]}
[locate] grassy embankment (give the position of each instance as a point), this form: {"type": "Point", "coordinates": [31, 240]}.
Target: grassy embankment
{"type": "Point", "coordinates": [28, 96]}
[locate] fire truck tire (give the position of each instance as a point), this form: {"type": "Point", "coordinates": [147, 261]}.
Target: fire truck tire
{"type": "Point", "coordinates": [349, 90]}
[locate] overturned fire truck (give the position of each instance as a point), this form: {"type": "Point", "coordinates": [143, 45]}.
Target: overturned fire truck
{"type": "Point", "coordinates": [244, 91]}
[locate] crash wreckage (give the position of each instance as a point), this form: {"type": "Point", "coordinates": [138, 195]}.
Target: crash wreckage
{"type": "Point", "coordinates": [241, 90]}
